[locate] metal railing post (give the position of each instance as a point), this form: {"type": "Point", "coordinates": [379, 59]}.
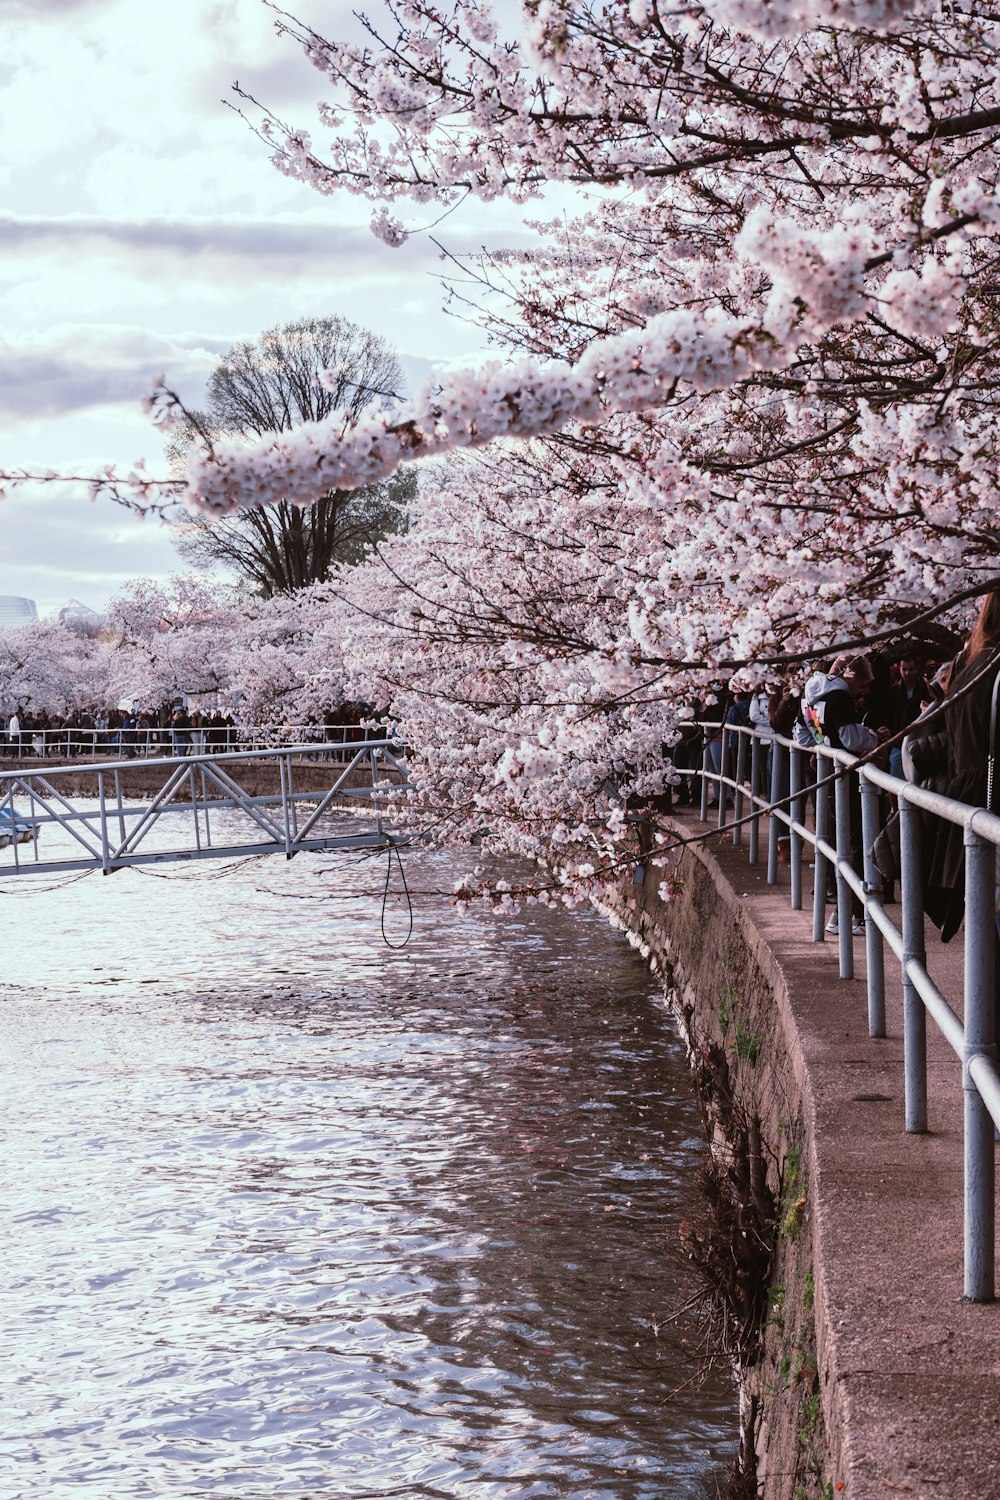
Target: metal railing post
{"type": "Point", "coordinates": [914, 1015]}
{"type": "Point", "coordinates": [980, 1037]}
{"type": "Point", "coordinates": [105, 847]}
{"type": "Point", "coordinates": [204, 800]}
{"type": "Point", "coordinates": [845, 915]}
{"type": "Point", "coordinates": [774, 824]}
{"type": "Point", "coordinates": [286, 818]}
{"type": "Point", "coordinates": [755, 778]}
{"type": "Point", "coordinates": [121, 813]}
{"type": "Point", "coordinates": [874, 943]}
{"type": "Point", "coordinates": [722, 789]}
{"type": "Point", "coordinates": [706, 766]}
{"type": "Point", "coordinates": [293, 807]}
{"type": "Point", "coordinates": [193, 794]}
{"type": "Point", "coordinates": [741, 770]}
{"type": "Point", "coordinates": [373, 758]}
{"type": "Point", "coordinates": [11, 813]}
{"type": "Point", "coordinates": [795, 839]}
{"type": "Point", "coordinates": [820, 862]}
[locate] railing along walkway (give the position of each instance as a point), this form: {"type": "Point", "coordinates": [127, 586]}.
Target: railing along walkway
{"type": "Point", "coordinates": [776, 778]}
{"type": "Point", "coordinates": [107, 831]}
{"type": "Point", "coordinates": [144, 743]}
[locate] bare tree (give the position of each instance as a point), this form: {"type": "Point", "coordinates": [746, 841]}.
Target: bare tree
{"type": "Point", "coordinates": [271, 385]}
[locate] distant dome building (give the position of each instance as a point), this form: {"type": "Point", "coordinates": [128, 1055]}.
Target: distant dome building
{"type": "Point", "coordinates": [15, 611]}
{"type": "Point", "coordinates": [74, 614]}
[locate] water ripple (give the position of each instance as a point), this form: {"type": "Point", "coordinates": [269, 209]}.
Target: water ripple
{"type": "Point", "coordinates": [291, 1214]}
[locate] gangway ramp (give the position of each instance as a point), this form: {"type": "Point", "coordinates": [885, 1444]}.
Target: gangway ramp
{"type": "Point", "coordinates": [209, 806]}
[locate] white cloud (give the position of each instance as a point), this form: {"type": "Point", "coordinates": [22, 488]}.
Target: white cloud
{"type": "Point", "coordinates": [144, 229]}
{"type": "Point", "coordinates": [57, 547]}
{"type": "Point", "coordinates": [49, 10]}
{"type": "Point", "coordinates": [73, 367]}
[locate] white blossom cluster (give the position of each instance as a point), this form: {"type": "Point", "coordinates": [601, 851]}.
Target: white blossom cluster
{"type": "Point", "coordinates": [273, 661]}
{"type": "Point", "coordinates": [749, 407]}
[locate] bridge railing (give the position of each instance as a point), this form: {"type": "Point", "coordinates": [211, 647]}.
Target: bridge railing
{"type": "Point", "coordinates": [105, 815]}
{"type": "Point", "coordinates": [756, 774]}
{"type": "Point", "coordinates": [144, 743]}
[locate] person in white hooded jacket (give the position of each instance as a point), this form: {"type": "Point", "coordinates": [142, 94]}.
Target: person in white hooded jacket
{"type": "Point", "coordinates": [815, 686]}
{"type": "Point", "coordinates": [831, 712]}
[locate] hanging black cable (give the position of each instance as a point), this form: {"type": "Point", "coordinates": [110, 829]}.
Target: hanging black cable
{"type": "Point", "coordinates": [394, 850]}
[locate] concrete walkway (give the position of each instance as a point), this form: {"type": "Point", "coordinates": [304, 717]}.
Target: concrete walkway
{"type": "Point", "coordinates": [918, 1370]}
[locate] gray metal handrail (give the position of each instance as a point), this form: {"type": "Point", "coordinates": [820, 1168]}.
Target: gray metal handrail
{"type": "Point", "coordinates": [973, 1039]}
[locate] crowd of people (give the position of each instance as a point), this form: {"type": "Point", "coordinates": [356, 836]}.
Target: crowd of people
{"type": "Point", "coordinates": [173, 729]}
{"type": "Point", "coordinates": [853, 703]}
{"type": "Point", "coordinates": [125, 732]}
{"type": "Point", "coordinates": [924, 718]}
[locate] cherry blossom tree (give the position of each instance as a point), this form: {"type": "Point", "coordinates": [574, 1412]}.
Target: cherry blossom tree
{"type": "Point", "coordinates": [284, 660]}
{"type": "Point", "coordinates": [47, 666]}
{"type": "Point", "coordinates": [748, 411]}
{"type": "Point", "coordinates": [170, 640]}
{"type": "Point", "coordinates": [277, 662]}
{"type": "Point", "coordinates": [784, 270]}
{"type": "Point", "coordinates": [498, 632]}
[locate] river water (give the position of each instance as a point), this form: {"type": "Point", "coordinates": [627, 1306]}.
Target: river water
{"type": "Point", "coordinates": [293, 1213]}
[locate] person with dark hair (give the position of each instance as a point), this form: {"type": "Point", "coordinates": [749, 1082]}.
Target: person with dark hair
{"type": "Point", "coordinates": [216, 732]}
{"type": "Point", "coordinates": [180, 731]}
{"type": "Point", "coordinates": [832, 714]}
{"type": "Point", "coordinates": [685, 755]}
{"type": "Point", "coordinates": [967, 712]}
{"type": "Point", "coordinates": [906, 700]}
{"type": "Point", "coordinates": [878, 700]}
{"type": "Point", "coordinates": [713, 715]}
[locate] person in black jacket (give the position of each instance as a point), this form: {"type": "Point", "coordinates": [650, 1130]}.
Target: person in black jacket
{"type": "Point", "coordinates": [906, 700]}
{"type": "Point", "coordinates": [967, 729]}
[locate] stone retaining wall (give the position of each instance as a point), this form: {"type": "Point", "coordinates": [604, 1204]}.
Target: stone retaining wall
{"type": "Point", "coordinates": [730, 998]}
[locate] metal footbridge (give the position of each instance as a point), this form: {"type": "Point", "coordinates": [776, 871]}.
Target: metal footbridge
{"type": "Point", "coordinates": [207, 806]}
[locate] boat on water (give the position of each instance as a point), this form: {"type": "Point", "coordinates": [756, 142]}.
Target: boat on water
{"type": "Point", "coordinates": [14, 830]}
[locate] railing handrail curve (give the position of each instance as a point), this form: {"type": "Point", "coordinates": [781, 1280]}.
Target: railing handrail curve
{"type": "Point", "coordinates": [858, 784]}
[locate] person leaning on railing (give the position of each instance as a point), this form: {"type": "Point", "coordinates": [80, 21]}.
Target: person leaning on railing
{"type": "Point", "coordinates": [963, 771]}
{"type": "Point", "coordinates": [924, 759]}
{"type": "Point", "coordinates": [906, 700]}
{"type": "Point", "coordinates": [760, 721]}
{"type": "Point", "coordinates": [783, 705]}
{"type": "Point", "coordinates": [713, 716]}
{"type": "Point", "coordinates": [685, 756]}
{"type": "Point", "coordinates": [737, 714]}
{"type": "Point", "coordinates": [832, 712]}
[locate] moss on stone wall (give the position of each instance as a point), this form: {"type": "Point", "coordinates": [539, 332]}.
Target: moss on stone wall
{"type": "Point", "coordinates": [754, 1240]}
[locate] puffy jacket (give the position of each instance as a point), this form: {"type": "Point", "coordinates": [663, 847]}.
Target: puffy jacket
{"type": "Point", "coordinates": [834, 716]}
{"type": "Point", "coordinates": [814, 689]}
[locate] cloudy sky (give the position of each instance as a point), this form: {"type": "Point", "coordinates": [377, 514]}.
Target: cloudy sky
{"type": "Point", "coordinates": [144, 230]}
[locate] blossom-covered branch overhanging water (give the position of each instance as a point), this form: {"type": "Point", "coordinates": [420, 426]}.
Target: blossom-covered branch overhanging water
{"type": "Point", "coordinates": [749, 404]}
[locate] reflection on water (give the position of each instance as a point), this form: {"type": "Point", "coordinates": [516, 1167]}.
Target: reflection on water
{"type": "Point", "coordinates": [290, 1213]}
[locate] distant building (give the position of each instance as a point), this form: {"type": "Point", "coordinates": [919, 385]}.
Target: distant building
{"type": "Point", "coordinates": [77, 616]}
{"type": "Point", "coordinates": [15, 611]}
